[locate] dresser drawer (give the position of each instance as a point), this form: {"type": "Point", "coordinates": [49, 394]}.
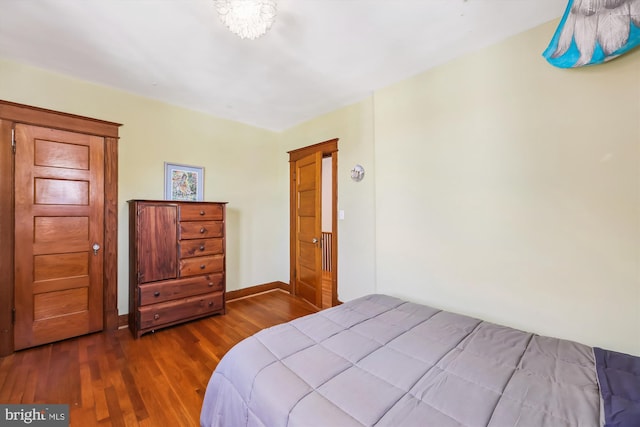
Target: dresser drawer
{"type": "Point", "coordinates": [166, 312]}
{"type": "Point", "coordinates": [201, 229]}
{"type": "Point", "coordinates": [201, 265]}
{"type": "Point", "coordinates": [199, 212]}
{"type": "Point", "coordinates": [200, 247]}
{"type": "Point", "coordinates": [153, 293]}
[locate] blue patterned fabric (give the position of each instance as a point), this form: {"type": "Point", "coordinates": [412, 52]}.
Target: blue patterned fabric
{"type": "Point", "coordinates": [592, 32]}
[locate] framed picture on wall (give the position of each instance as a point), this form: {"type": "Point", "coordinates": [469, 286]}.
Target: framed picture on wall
{"type": "Point", "coordinates": [183, 182]}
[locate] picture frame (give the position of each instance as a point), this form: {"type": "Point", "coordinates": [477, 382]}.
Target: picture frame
{"type": "Point", "coordinates": [183, 182]}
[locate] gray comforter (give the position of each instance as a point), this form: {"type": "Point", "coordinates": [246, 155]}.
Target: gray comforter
{"type": "Point", "coordinates": [381, 361]}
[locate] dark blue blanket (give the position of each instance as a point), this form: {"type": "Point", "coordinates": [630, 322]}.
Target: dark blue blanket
{"type": "Point", "coordinates": [619, 378]}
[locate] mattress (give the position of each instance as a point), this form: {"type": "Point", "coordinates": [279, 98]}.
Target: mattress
{"type": "Point", "coordinates": [382, 361]}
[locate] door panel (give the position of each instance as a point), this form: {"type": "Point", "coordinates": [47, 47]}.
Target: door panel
{"type": "Point", "coordinates": [53, 304]}
{"type": "Point", "coordinates": [308, 191]}
{"type": "Point", "coordinates": [163, 264]}
{"type": "Point", "coordinates": [59, 216]}
{"type": "Point", "coordinates": [61, 155]}
{"type": "Point", "coordinates": [61, 192]}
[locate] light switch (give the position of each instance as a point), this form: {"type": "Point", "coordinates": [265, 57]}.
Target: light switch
{"type": "Point", "coordinates": [340, 214]}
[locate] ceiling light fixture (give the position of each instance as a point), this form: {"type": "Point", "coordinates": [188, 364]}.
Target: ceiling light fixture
{"type": "Point", "coordinates": [249, 19]}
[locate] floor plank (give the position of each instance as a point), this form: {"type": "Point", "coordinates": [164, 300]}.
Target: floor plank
{"type": "Point", "coordinates": [112, 379]}
{"type": "Point", "coordinates": [327, 291]}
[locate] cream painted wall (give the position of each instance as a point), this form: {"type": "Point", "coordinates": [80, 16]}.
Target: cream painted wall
{"type": "Point", "coordinates": [510, 190]}
{"type": "Point", "coordinates": [238, 159]}
{"type": "Point", "coordinates": [353, 125]}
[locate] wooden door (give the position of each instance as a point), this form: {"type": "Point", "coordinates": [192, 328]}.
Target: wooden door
{"type": "Point", "coordinates": [298, 285]}
{"type": "Point", "coordinates": [308, 194]}
{"type": "Point", "coordinates": [157, 250]}
{"type": "Point", "coordinates": [59, 233]}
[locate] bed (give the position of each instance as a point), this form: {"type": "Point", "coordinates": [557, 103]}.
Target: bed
{"type": "Point", "coordinates": [382, 361]}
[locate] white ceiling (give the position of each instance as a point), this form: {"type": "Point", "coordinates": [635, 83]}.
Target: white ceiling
{"type": "Point", "coordinates": [318, 56]}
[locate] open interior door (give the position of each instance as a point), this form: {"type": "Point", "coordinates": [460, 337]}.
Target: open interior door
{"type": "Point", "coordinates": [308, 228]}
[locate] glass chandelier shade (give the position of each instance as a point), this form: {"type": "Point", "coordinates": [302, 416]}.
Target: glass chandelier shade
{"type": "Point", "coordinates": [249, 19]}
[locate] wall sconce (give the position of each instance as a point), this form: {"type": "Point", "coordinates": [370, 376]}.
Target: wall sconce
{"type": "Point", "coordinates": [357, 173]}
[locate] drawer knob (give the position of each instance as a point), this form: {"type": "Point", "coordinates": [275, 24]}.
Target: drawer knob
{"type": "Point", "coordinates": [210, 303]}
{"type": "Point", "coordinates": [202, 247]}
{"type": "Point", "coordinates": [156, 316]}
{"type": "Point", "coordinates": [203, 230]}
{"type": "Point", "coordinates": [202, 267]}
{"type": "Point", "coordinates": [201, 212]}
{"type": "Point", "coordinates": [156, 294]}
{"type": "Point", "coordinates": [210, 284]}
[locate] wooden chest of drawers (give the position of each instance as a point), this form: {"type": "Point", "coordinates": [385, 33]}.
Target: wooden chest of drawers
{"type": "Point", "coordinates": [176, 262]}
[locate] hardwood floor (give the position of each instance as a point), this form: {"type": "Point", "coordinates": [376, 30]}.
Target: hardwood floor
{"type": "Point", "coordinates": [111, 379]}
{"type": "Point", "coordinates": [327, 292]}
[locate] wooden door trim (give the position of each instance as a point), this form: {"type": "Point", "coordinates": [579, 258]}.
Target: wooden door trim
{"type": "Point", "coordinates": [57, 120]}
{"type": "Point", "coordinates": [334, 227]}
{"type": "Point", "coordinates": [110, 279]}
{"type": "Point", "coordinates": [328, 148]}
{"type": "Point", "coordinates": [6, 242]}
{"type": "Point", "coordinates": [11, 113]}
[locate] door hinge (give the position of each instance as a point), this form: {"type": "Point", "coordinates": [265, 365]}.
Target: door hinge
{"type": "Point", "coordinates": [13, 140]}
{"type": "Point", "coordinates": [13, 316]}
